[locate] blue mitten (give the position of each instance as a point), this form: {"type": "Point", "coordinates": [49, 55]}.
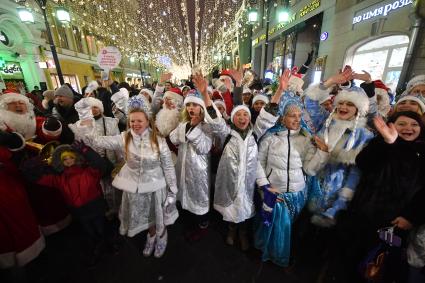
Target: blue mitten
{"type": "Point", "coordinates": [269, 202]}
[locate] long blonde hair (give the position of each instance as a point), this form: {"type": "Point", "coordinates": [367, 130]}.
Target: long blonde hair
{"type": "Point", "coordinates": [154, 132]}
{"type": "Point", "coordinates": [185, 117]}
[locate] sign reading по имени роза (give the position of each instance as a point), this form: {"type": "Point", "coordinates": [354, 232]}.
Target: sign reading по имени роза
{"type": "Point", "coordinates": [108, 58]}
{"type": "Point", "coordinates": [379, 10]}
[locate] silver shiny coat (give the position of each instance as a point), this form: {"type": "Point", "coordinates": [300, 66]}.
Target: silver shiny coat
{"type": "Point", "coordinates": [146, 169]}
{"type": "Point", "coordinates": [192, 168]}
{"type": "Point", "coordinates": [238, 168]}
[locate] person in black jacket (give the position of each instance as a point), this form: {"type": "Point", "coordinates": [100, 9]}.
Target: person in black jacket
{"type": "Point", "coordinates": [392, 172]}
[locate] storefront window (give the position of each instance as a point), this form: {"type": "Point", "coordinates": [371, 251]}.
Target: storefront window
{"type": "Point", "coordinates": [70, 79]}
{"type": "Point", "coordinates": [63, 38]}
{"type": "Point", "coordinates": [383, 58]}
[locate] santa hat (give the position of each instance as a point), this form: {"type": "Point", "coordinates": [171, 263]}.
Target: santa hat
{"type": "Point", "coordinates": [194, 96]}
{"type": "Point", "coordinates": [227, 73]}
{"type": "Point", "coordinates": [381, 90]}
{"type": "Point", "coordinates": [237, 108]}
{"type": "Point", "coordinates": [216, 95]}
{"type": "Point", "coordinates": [120, 99]}
{"type": "Point", "coordinates": [92, 86]}
{"type": "Point", "coordinates": [221, 103]}
{"type": "Point", "coordinates": [415, 81]}
{"type": "Point", "coordinates": [148, 91]}
{"type": "Point", "coordinates": [9, 96]}
{"type": "Point", "coordinates": [94, 102]}
{"type": "Point", "coordinates": [175, 95]}
{"type": "Point", "coordinates": [260, 97]}
{"type": "Point", "coordinates": [415, 98]}
{"type": "Point", "coordinates": [246, 90]}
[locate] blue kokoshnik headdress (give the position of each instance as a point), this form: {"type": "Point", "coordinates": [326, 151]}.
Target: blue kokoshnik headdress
{"type": "Point", "coordinates": [139, 102]}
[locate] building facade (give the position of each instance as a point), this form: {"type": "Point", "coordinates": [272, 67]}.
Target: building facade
{"type": "Point", "coordinates": [25, 56]}
{"type": "Point", "coordinates": [383, 37]}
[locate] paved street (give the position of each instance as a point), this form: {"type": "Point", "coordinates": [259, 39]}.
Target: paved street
{"type": "Point", "coordinates": [208, 260]}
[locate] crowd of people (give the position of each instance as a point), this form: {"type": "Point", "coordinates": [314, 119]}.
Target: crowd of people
{"type": "Point", "coordinates": [350, 157]}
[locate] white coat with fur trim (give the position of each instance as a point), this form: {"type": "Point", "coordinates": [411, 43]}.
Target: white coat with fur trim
{"type": "Point", "coordinates": [192, 168]}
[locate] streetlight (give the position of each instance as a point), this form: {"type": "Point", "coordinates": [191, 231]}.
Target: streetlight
{"type": "Point", "coordinates": [26, 17]}
{"type": "Point", "coordinates": [63, 15]}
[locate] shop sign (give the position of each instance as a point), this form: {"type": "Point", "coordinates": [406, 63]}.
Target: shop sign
{"type": "Point", "coordinates": [309, 8]}
{"type": "Point", "coordinates": [11, 69]}
{"type": "Point", "coordinates": [4, 39]}
{"type": "Point", "coordinates": [380, 10]}
{"type": "Point", "coordinates": [108, 58]}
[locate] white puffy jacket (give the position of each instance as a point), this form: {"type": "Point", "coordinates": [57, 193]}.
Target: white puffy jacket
{"type": "Point", "coordinates": [277, 151]}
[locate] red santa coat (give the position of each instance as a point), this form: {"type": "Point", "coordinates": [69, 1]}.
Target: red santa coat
{"type": "Point", "coordinates": [79, 185]}
{"type": "Point", "coordinates": [20, 237]}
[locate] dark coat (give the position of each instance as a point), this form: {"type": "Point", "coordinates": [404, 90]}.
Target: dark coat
{"type": "Point", "coordinates": [391, 175]}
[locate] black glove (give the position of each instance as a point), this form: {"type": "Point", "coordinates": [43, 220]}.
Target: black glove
{"type": "Point", "coordinates": [80, 146]}
{"type": "Point", "coordinates": [369, 88]}
{"type": "Point", "coordinates": [304, 67]}
{"type": "Point", "coordinates": [10, 140]}
{"type": "Point", "coordinates": [52, 124]}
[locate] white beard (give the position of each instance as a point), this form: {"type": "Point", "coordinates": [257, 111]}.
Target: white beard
{"type": "Point", "coordinates": [167, 120]}
{"type": "Point", "coordinates": [24, 124]}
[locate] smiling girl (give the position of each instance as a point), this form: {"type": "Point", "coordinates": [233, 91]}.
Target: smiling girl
{"type": "Point", "coordinates": [345, 134]}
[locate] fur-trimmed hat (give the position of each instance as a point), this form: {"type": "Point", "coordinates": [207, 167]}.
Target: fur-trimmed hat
{"type": "Point", "coordinates": [246, 90]}
{"type": "Point", "coordinates": [415, 98]}
{"type": "Point", "coordinates": [94, 102]}
{"type": "Point", "coordinates": [193, 96]}
{"type": "Point", "coordinates": [260, 97]}
{"type": "Point", "coordinates": [148, 91]}
{"type": "Point", "coordinates": [296, 83]}
{"type": "Point", "coordinates": [57, 163]}
{"type": "Point", "coordinates": [355, 95]}
{"type": "Point", "coordinates": [9, 96]}
{"type": "Point", "coordinates": [381, 91]}
{"type": "Point", "coordinates": [175, 95]}
{"type": "Point", "coordinates": [415, 81]}
{"type": "Point", "coordinates": [236, 109]}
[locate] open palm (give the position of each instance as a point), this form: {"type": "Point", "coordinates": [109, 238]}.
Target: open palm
{"type": "Point", "coordinates": [388, 132]}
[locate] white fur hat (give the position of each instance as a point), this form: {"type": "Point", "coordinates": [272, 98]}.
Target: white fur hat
{"type": "Point", "coordinates": [94, 102]}
{"type": "Point", "coordinates": [237, 108]}
{"type": "Point", "coordinates": [194, 97]}
{"type": "Point", "coordinates": [246, 90]}
{"type": "Point", "coordinates": [221, 103]}
{"type": "Point", "coordinates": [9, 97]}
{"type": "Point", "coordinates": [355, 95]}
{"type": "Point", "coordinates": [92, 86]}
{"type": "Point", "coordinates": [413, 98]}
{"type": "Point", "coordinates": [260, 97]}
{"type": "Point", "coordinates": [120, 98]}
{"type": "Point", "coordinates": [415, 81]}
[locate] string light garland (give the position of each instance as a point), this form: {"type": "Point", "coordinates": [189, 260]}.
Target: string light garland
{"type": "Point", "coordinates": [159, 31]}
